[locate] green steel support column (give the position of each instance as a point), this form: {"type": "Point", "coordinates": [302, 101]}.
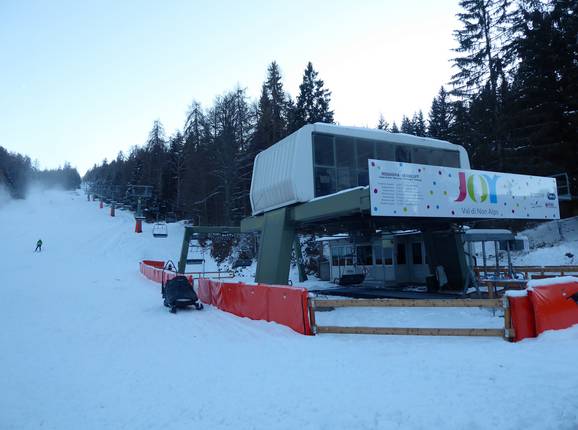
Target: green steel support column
{"type": "Point", "coordinates": [275, 248]}
{"type": "Point", "coordinates": [299, 258]}
{"type": "Point", "coordinates": [185, 250]}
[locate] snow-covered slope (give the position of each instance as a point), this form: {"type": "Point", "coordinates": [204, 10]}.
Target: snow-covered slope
{"type": "Point", "coordinates": [85, 343]}
{"type": "Point", "coordinates": [554, 243]}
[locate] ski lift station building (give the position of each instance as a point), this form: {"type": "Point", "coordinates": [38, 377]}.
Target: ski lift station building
{"type": "Point", "coordinates": [317, 180]}
{"type": "Point", "coordinates": [321, 171]}
{"type": "Point", "coordinates": [322, 159]}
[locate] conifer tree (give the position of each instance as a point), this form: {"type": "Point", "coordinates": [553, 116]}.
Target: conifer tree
{"type": "Point", "coordinates": [543, 120]}
{"type": "Point", "coordinates": [483, 62]}
{"type": "Point", "coordinates": [406, 125]}
{"type": "Point", "coordinates": [278, 102]}
{"type": "Point", "coordinates": [313, 101]}
{"type": "Point", "coordinates": [440, 116]}
{"type": "Point", "coordinates": [382, 123]}
{"type": "Point", "coordinates": [418, 124]}
{"type": "Point", "coordinates": [482, 45]}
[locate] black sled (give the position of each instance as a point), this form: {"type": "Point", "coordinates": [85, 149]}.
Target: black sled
{"type": "Point", "coordinates": [178, 293]}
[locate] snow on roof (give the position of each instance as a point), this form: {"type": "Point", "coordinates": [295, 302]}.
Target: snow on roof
{"type": "Point", "coordinates": [487, 234]}
{"type": "Point", "coordinates": [551, 281]}
{"type": "Point", "coordinates": [329, 238]}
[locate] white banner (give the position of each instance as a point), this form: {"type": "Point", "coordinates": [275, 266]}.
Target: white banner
{"type": "Point", "coordinates": [418, 190]}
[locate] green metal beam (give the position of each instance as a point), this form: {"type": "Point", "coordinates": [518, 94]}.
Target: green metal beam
{"type": "Point", "coordinates": [277, 229]}
{"type": "Point", "coordinates": [185, 250]}
{"type": "Point", "coordinates": [277, 237]}
{"type": "Point", "coordinates": [252, 223]}
{"type": "Point", "coordinates": [213, 229]}
{"type": "Point", "coordinates": [336, 205]}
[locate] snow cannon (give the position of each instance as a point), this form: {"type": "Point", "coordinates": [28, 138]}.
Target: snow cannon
{"type": "Point", "coordinates": [178, 292]}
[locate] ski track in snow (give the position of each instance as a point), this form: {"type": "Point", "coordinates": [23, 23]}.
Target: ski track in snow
{"type": "Point", "coordinates": [86, 344]}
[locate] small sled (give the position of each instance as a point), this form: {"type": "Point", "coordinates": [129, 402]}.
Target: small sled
{"type": "Point", "coordinates": [178, 293]}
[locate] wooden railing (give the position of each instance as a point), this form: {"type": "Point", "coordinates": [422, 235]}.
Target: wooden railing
{"type": "Point", "coordinates": [504, 283]}
{"type": "Point", "coordinates": [212, 275]}
{"type": "Point", "coordinates": [506, 332]}
{"type": "Point", "coordinates": [530, 272]}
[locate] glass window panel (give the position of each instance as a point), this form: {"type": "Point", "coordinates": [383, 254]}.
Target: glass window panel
{"type": "Point", "coordinates": [348, 255]}
{"type": "Point", "coordinates": [346, 178]}
{"type": "Point", "coordinates": [345, 151]}
{"type": "Point", "coordinates": [402, 154]}
{"type": "Point", "coordinates": [400, 253]}
{"type": "Point", "coordinates": [345, 162]}
{"type": "Point", "coordinates": [435, 157]}
{"type": "Point", "coordinates": [362, 178]}
{"type": "Point", "coordinates": [446, 158]}
{"type": "Point", "coordinates": [417, 256]}
{"type": "Point", "coordinates": [388, 256]}
{"type": "Point", "coordinates": [324, 181]}
{"type": "Point", "coordinates": [378, 254]}
{"type": "Point", "coordinates": [323, 149]}
{"type": "Point", "coordinates": [364, 255]}
{"type": "Point", "coordinates": [385, 151]}
{"type": "Point", "coordinates": [421, 155]}
{"type": "Point", "coordinates": [335, 253]}
{"type": "Point", "coordinates": [365, 151]}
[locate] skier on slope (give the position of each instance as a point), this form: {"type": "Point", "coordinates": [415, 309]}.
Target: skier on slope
{"type": "Point", "coordinates": [38, 246]}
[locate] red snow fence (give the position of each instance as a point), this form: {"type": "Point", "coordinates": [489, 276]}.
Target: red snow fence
{"type": "Point", "coordinates": [277, 303]}
{"type": "Point", "coordinates": [555, 305]}
{"type": "Point", "coordinates": [153, 270]}
{"type": "Point", "coordinates": [550, 304]}
{"type": "Point", "coordinates": [522, 315]}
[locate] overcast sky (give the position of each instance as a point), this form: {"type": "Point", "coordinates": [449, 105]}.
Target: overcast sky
{"type": "Point", "coordinates": [81, 81]}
